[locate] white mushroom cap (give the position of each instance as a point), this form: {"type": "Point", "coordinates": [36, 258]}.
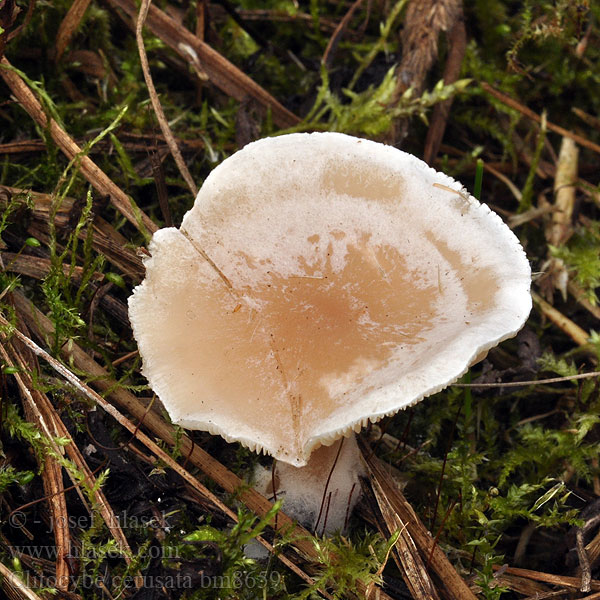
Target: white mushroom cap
{"type": "Point", "coordinates": [320, 282]}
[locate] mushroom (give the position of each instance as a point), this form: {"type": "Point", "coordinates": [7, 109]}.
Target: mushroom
{"type": "Point", "coordinates": [320, 282]}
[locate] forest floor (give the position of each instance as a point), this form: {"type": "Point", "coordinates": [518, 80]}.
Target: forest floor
{"type": "Point", "coordinates": [485, 490]}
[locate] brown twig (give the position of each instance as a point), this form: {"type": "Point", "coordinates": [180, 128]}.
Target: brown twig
{"type": "Point", "coordinates": [69, 25]}
{"type": "Point", "coordinates": [457, 41]}
{"type": "Point", "coordinates": [584, 561]}
{"type": "Point", "coordinates": [336, 36]}
{"type": "Point", "coordinates": [510, 102]}
{"type": "Point", "coordinates": [576, 333]}
{"type": "Point", "coordinates": [562, 580]}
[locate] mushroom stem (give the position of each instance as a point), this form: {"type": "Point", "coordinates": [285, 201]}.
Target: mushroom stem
{"type": "Point", "coordinates": [322, 494]}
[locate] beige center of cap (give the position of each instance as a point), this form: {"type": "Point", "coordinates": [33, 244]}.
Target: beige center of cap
{"type": "Point", "coordinates": [321, 281]}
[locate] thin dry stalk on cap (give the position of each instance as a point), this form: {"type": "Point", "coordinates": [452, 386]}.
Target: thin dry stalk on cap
{"type": "Point", "coordinates": [457, 42]}
{"type": "Point", "coordinates": [494, 168]}
{"type": "Point", "coordinates": [99, 180]}
{"type": "Point", "coordinates": [195, 455]}
{"type": "Point", "coordinates": [512, 103]}
{"type": "Point", "coordinates": [199, 54]}
{"type": "Point", "coordinates": [156, 105]}
{"type": "Point", "coordinates": [69, 26]}
{"type": "Point", "coordinates": [451, 585]}
{"type": "Point", "coordinates": [423, 23]}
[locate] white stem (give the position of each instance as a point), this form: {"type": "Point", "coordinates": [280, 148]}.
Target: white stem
{"type": "Point", "coordinates": [322, 494]}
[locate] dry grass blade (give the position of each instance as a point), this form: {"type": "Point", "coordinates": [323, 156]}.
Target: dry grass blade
{"type": "Point", "coordinates": [405, 553]}
{"type": "Point", "coordinates": [42, 206]}
{"type": "Point", "coordinates": [584, 562]}
{"type": "Point", "coordinates": [452, 586]}
{"type": "Point", "coordinates": [22, 146]}
{"type": "Point", "coordinates": [565, 182]}
{"type": "Point", "coordinates": [587, 118]}
{"type": "Point", "coordinates": [17, 588]}
{"type": "Point", "coordinates": [106, 240]}
{"type": "Point", "coordinates": [590, 375]}
{"type": "Point", "coordinates": [115, 247]}
{"type": "Point", "coordinates": [526, 587]}
{"type": "Point", "coordinates": [592, 550]}
{"type": "Point", "coordinates": [220, 71]}
{"type": "Point", "coordinates": [51, 424]}
{"type": "Point", "coordinates": [69, 25]}
{"type": "Point", "coordinates": [51, 473]}
{"type": "Point", "coordinates": [195, 455]}
{"type": "Point", "coordinates": [7, 16]}
{"type": "Point", "coordinates": [549, 578]}
{"type": "Point", "coordinates": [99, 180]}
{"type": "Point", "coordinates": [559, 228]}
{"type": "Point", "coordinates": [156, 105]}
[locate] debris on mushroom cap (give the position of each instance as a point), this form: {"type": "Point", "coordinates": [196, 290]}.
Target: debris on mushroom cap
{"type": "Point", "coordinates": [321, 281]}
